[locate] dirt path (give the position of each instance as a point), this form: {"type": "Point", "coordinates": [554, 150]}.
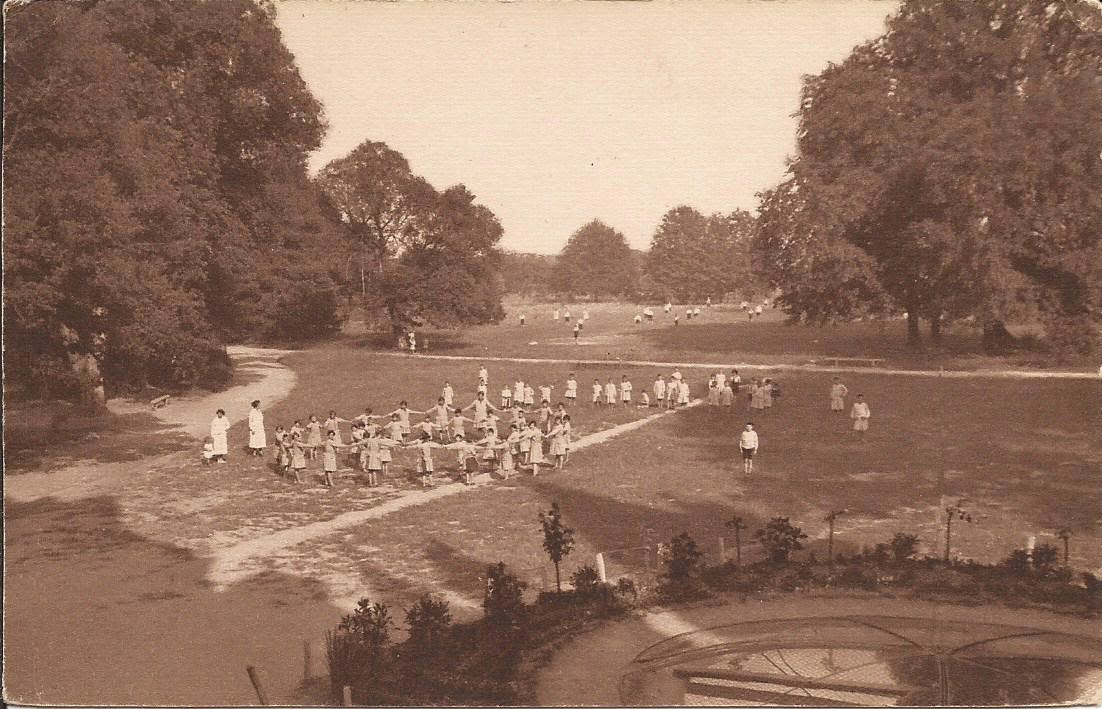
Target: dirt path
{"type": "Point", "coordinates": [234, 563]}
{"type": "Point", "coordinates": [269, 380]}
{"type": "Point", "coordinates": [954, 374]}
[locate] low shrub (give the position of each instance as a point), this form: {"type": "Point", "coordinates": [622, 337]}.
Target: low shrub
{"type": "Point", "coordinates": [428, 620]}
{"type": "Point", "coordinates": [684, 563]}
{"type": "Point", "coordinates": [586, 581]}
{"type": "Point", "coordinates": [780, 538]}
{"type": "Point", "coordinates": [357, 651]}
{"type": "Point", "coordinates": [504, 599]}
{"type": "Point", "coordinates": [859, 576]}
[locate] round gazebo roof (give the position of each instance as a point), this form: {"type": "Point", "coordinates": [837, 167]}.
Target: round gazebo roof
{"type": "Point", "coordinates": [866, 660]}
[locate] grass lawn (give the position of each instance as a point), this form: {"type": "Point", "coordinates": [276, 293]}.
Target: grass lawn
{"type": "Point", "coordinates": [1023, 454]}
{"type": "Point", "coordinates": [721, 334]}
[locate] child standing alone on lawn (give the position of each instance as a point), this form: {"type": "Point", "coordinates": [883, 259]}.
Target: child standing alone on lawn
{"type": "Point", "coordinates": [860, 414]}
{"type": "Point", "coordinates": [838, 392]}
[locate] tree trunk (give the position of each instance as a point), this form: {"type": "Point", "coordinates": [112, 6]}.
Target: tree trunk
{"type": "Point", "coordinates": [935, 329]}
{"type": "Point", "coordinates": [558, 582]}
{"type": "Point", "coordinates": [996, 338]}
{"type": "Point", "coordinates": [914, 339]}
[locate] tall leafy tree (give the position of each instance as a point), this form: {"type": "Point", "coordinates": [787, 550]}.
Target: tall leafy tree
{"type": "Point", "coordinates": [145, 147]}
{"type": "Point", "coordinates": [693, 257]}
{"type": "Point", "coordinates": [677, 253]}
{"type": "Point", "coordinates": [959, 159]}
{"type": "Point", "coordinates": [421, 256]}
{"type": "Point", "coordinates": [596, 261]}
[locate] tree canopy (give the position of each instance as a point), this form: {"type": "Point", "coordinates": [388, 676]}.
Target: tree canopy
{"type": "Point", "coordinates": [596, 261]}
{"type": "Point", "coordinates": [422, 256]}
{"type": "Point", "coordinates": [951, 168]}
{"type": "Point", "coordinates": [693, 257]}
{"type": "Point", "coordinates": [156, 199]}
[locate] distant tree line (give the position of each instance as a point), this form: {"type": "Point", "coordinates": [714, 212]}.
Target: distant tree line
{"type": "Point", "coordinates": [691, 258]}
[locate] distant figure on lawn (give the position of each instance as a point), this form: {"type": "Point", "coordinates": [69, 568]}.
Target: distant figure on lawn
{"type": "Point", "coordinates": [683, 393]}
{"type": "Point", "coordinates": [625, 390]}
{"type": "Point", "coordinates": [219, 426]}
{"type": "Point", "coordinates": [838, 392]}
{"type": "Point", "coordinates": [610, 393]}
{"type": "Point", "coordinates": [727, 394]}
{"type": "Point", "coordinates": [556, 314]}
{"type": "Point", "coordinates": [522, 318]}
{"type": "Point", "coordinates": [257, 438]}
{"type": "Point", "coordinates": [208, 451]}
{"type": "Point", "coordinates": [748, 444]}
{"type": "Point", "coordinates": [571, 390]}
{"type": "Point", "coordinates": [597, 392]}
{"type": "Point", "coordinates": [659, 391]}
{"type": "Point", "coordinates": [860, 414]}
{"type": "Point", "coordinates": [577, 332]}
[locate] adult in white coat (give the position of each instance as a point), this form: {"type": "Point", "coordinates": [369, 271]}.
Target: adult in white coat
{"type": "Point", "coordinates": [257, 438]}
{"type": "Point", "coordinates": [219, 427]}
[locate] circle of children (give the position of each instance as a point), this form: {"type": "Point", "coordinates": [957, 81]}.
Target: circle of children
{"type": "Point", "coordinates": [521, 448]}
{"type": "Point", "coordinates": [533, 437]}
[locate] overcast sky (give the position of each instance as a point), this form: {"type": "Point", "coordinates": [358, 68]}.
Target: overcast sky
{"type": "Point", "coordinates": [554, 113]}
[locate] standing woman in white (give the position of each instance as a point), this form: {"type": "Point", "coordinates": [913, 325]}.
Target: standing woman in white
{"type": "Point", "coordinates": [219, 426]}
{"type": "Point", "coordinates": [257, 437]}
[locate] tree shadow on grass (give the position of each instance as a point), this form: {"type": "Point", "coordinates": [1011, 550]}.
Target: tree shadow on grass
{"type": "Point", "coordinates": [96, 614]}
{"type": "Point", "coordinates": [611, 524]}
{"type": "Point", "coordinates": [61, 436]}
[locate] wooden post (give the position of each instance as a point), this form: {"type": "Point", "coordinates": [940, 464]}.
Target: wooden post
{"type": "Point", "coordinates": [722, 551]}
{"type": "Point", "coordinates": [601, 568]}
{"type": "Point", "coordinates": [256, 677]}
{"type": "Point", "coordinates": [346, 696]}
{"type": "Point", "coordinates": [307, 661]}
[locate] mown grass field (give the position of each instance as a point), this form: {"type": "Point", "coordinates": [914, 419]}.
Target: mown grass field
{"type": "Point", "coordinates": [1023, 454]}
{"type": "Point", "coordinates": [721, 334]}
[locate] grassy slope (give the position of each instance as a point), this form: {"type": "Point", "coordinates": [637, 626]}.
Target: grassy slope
{"type": "Point", "coordinates": [1021, 452]}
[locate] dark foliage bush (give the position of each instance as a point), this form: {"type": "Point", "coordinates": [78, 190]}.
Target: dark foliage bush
{"type": "Point", "coordinates": [858, 576]}
{"type": "Point", "coordinates": [681, 577]}
{"type": "Point", "coordinates": [587, 583]}
{"type": "Point", "coordinates": [503, 602]}
{"type": "Point", "coordinates": [1045, 558]}
{"type": "Point", "coordinates": [428, 620]}
{"type": "Point", "coordinates": [357, 650]}
{"type": "Point", "coordinates": [780, 538]}
{"type": "Point", "coordinates": [1016, 562]}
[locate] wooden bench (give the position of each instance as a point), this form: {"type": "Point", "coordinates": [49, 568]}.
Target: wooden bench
{"type": "Point", "coordinates": [867, 361]}
{"type": "Point", "coordinates": [159, 402]}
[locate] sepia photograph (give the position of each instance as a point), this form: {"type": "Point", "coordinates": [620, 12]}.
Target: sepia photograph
{"type": "Point", "coordinates": [552, 353]}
